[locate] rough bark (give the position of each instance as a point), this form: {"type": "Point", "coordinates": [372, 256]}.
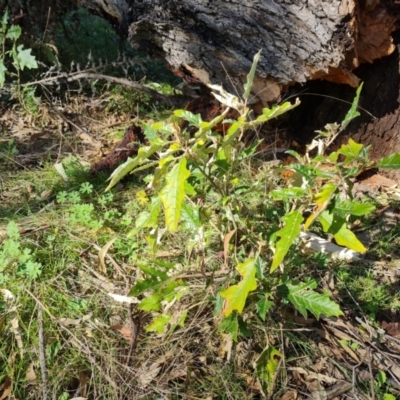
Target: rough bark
{"type": "Point", "coordinates": [216, 40]}
{"type": "Point", "coordinates": [378, 125]}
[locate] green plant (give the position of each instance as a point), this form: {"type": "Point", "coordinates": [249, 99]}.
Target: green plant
{"type": "Point", "coordinates": [200, 187]}
{"type": "Point", "coordinates": [8, 150]}
{"type": "Point", "coordinates": [15, 258]}
{"type": "Point", "coordinates": [21, 58]}
{"type": "Point", "coordinates": [381, 385]}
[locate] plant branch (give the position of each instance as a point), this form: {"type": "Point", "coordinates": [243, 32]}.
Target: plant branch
{"type": "Point", "coordinates": [70, 77]}
{"type": "Point", "coordinates": [42, 356]}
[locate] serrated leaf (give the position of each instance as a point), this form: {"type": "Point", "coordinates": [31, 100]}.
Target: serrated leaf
{"type": "Point", "coordinates": [267, 365]}
{"type": "Point", "coordinates": [4, 19]}
{"type": "Point", "coordinates": [159, 324]}
{"type": "Point", "coordinates": [288, 193]}
{"type": "Point", "coordinates": [151, 303]}
{"type": "Point", "coordinates": [351, 151]}
{"type": "Point", "coordinates": [147, 219]}
{"type": "Point", "coordinates": [14, 32]}
{"type": "Point", "coordinates": [191, 217]}
{"type": "Point", "coordinates": [151, 270]}
{"type": "Point", "coordinates": [143, 154]}
{"type": "Point", "coordinates": [25, 58]}
{"type": "Point", "coordinates": [173, 194]}
{"type": "Point", "coordinates": [233, 131]}
{"type": "Point", "coordinates": [3, 71]}
{"type": "Point", "coordinates": [142, 198]}
{"type": "Point", "coordinates": [343, 236]}
{"type": "Point", "coordinates": [333, 156]}
{"type": "Point", "coordinates": [189, 189]}
{"type": "Point", "coordinates": [304, 299]}
{"type": "Point", "coordinates": [194, 119]}
{"type": "Point", "coordinates": [288, 235]}
{"type": "Point", "coordinates": [352, 113]}
{"type": "Point", "coordinates": [150, 132]}
{"type": "Point", "coordinates": [174, 290]}
{"type": "Point", "coordinates": [322, 200]}
{"type": "Point", "coordinates": [392, 161]}
{"type": "Point", "coordinates": [230, 325]}
{"type": "Point", "coordinates": [235, 296]}
{"type": "Point", "coordinates": [295, 154]}
{"type": "Point", "coordinates": [276, 111]}
{"type": "Point", "coordinates": [352, 207]}
{"type": "Point", "coordinates": [142, 285]}
{"type": "Point", "coordinates": [179, 319]}
{"type": "Point", "coordinates": [250, 77]}
{"type": "Point", "coordinates": [308, 172]}
{"type": "Point", "coordinates": [263, 306]}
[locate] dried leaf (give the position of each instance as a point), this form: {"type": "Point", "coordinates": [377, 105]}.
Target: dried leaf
{"type": "Point", "coordinates": [75, 322]}
{"type": "Point", "coordinates": [102, 254]}
{"type": "Point", "coordinates": [392, 328]}
{"type": "Point", "coordinates": [123, 330]}
{"type": "Point", "coordinates": [227, 238]}
{"type": "Point", "coordinates": [17, 334]}
{"type": "Point", "coordinates": [290, 395]}
{"type": "Point", "coordinates": [83, 381]}
{"type": "Point", "coordinates": [226, 347]}
{"type": "Point", "coordinates": [61, 171]}
{"type": "Point", "coordinates": [376, 181]}
{"type": "Point", "coordinates": [124, 299]}
{"type": "Point", "coordinates": [146, 377]}
{"type": "Point", "coordinates": [6, 387]}
{"type": "Point", "coordinates": [31, 375]}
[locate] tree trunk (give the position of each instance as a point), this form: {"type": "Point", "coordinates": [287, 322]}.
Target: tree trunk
{"type": "Point", "coordinates": [215, 41]}
{"type": "Point", "coordinates": [379, 106]}
{"type": "Point", "coordinates": [301, 41]}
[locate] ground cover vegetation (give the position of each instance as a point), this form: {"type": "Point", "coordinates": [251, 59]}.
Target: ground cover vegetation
{"type": "Point", "coordinates": [203, 267]}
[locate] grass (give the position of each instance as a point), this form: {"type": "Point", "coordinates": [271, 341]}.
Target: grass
{"type": "Point", "coordinates": [65, 236]}
{"type": "Point", "coordinates": [67, 266]}
{"type": "Point", "coordinates": [64, 233]}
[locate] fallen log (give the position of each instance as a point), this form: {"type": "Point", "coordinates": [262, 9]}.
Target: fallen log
{"type": "Point", "coordinates": [300, 40]}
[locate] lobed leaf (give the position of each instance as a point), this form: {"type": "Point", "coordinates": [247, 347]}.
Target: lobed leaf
{"type": "Point", "coordinates": [263, 306]}
{"type": "Point", "coordinates": [25, 58]}
{"type": "Point", "coordinates": [151, 303]}
{"type": "Point", "coordinates": [351, 151]}
{"type": "Point", "coordinates": [392, 161]}
{"type": "Point", "coordinates": [235, 296]}
{"type": "Point", "coordinates": [143, 154]}
{"type": "Point", "coordinates": [304, 299]}
{"type": "Point", "coordinates": [276, 111]}
{"type": "Point", "coordinates": [267, 365]}
{"type": "Point", "coordinates": [352, 207]}
{"type": "Point", "coordinates": [194, 119]}
{"type": "Point", "coordinates": [322, 199]}
{"type": "Point", "coordinates": [147, 218]}
{"type": "Point", "coordinates": [173, 194]}
{"type": "Point", "coordinates": [287, 235]}
{"type": "Point", "coordinates": [337, 227]}
{"type": "Point", "coordinates": [159, 324]}
{"type": "Point", "coordinates": [14, 32]}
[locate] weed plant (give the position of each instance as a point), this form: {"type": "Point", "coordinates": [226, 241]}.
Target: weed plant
{"type": "Point", "coordinates": [205, 254]}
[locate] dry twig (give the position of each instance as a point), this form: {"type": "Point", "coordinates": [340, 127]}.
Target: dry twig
{"type": "Point", "coordinates": [42, 354]}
